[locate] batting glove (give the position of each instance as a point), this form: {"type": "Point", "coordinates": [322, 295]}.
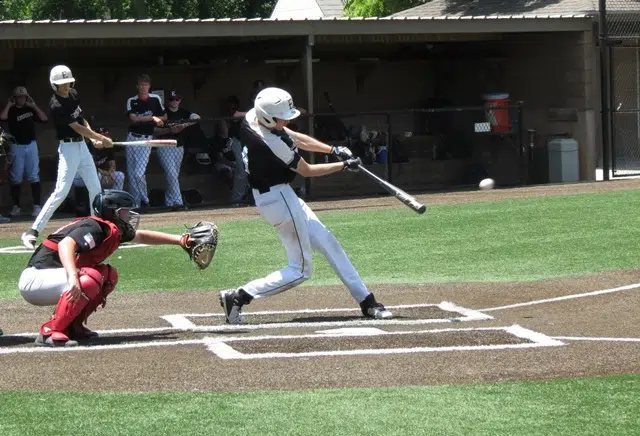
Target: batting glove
{"type": "Point", "coordinates": [343, 153]}
{"type": "Point", "coordinates": [352, 164]}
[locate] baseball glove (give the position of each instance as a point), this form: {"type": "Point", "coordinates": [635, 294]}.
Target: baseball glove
{"type": "Point", "coordinates": [200, 242]}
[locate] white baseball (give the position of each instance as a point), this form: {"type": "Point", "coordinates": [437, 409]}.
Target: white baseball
{"type": "Point", "coordinates": [487, 184]}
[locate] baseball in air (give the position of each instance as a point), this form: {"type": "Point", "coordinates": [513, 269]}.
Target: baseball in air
{"type": "Point", "coordinates": [487, 184]}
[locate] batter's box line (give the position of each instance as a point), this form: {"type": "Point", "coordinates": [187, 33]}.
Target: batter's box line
{"type": "Point", "coordinates": [182, 322]}
{"type": "Point", "coordinates": [222, 349]}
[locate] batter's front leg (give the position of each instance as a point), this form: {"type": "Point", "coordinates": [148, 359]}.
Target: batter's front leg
{"type": "Point", "coordinates": [286, 215]}
{"type": "Point", "coordinates": [326, 243]}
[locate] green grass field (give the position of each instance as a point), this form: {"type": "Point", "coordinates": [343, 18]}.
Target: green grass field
{"type": "Point", "coordinates": [514, 240]}
{"type": "Point", "coordinates": [594, 406]}
{"type": "Point", "coordinates": [525, 239]}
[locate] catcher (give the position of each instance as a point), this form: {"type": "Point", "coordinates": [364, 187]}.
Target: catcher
{"type": "Point", "coordinates": [68, 269]}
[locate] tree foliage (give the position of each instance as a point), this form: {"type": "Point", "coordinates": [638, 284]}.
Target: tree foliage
{"type": "Point", "coordinates": [378, 8]}
{"type": "Point", "coordinates": [122, 9]}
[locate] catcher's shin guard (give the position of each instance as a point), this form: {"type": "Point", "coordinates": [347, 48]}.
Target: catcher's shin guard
{"type": "Point", "coordinates": [91, 282]}
{"type": "Point", "coordinates": [109, 280]}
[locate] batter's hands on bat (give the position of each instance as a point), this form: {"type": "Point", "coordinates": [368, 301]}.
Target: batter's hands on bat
{"type": "Point", "coordinates": [352, 164]}
{"type": "Point", "coordinates": [343, 153]}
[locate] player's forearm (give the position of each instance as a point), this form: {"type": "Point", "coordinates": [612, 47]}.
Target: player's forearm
{"type": "Point", "coordinates": [319, 170]}
{"type": "Point", "coordinates": [86, 132]}
{"type": "Point", "coordinates": [140, 118]}
{"type": "Point", "coordinates": [41, 115]}
{"type": "Point", "coordinates": [308, 143]}
{"type": "Point", "coordinates": [67, 251]}
{"type": "Point", "coordinates": [5, 113]}
{"type": "Point", "coordinates": [150, 237]}
{"type": "Point", "coordinates": [161, 131]}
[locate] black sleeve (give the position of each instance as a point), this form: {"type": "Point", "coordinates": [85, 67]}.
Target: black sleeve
{"type": "Point", "coordinates": [158, 109]}
{"type": "Point", "coordinates": [88, 235]}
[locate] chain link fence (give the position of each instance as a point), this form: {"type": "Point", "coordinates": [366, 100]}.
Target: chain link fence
{"type": "Point", "coordinates": [622, 39]}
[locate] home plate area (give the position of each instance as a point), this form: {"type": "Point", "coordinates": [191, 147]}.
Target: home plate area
{"type": "Point", "coordinates": [314, 333]}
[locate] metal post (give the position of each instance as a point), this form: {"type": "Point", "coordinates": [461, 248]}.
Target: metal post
{"type": "Point", "coordinates": [308, 84]}
{"type": "Point", "coordinates": [604, 88]}
{"type": "Point", "coordinates": [389, 151]}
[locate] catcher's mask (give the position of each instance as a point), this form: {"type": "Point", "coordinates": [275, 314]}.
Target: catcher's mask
{"type": "Point", "coordinates": [117, 206]}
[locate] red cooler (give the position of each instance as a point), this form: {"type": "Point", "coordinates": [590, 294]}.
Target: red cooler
{"type": "Point", "coordinates": [498, 118]}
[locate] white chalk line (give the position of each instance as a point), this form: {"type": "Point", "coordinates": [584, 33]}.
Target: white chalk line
{"type": "Point", "coordinates": [25, 350]}
{"type": "Point", "coordinates": [181, 321]}
{"type": "Point", "coordinates": [564, 297]}
{"type": "Point", "coordinates": [581, 338]}
{"type": "Point", "coordinates": [223, 350]}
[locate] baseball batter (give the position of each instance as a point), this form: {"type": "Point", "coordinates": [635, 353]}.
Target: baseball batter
{"type": "Point", "coordinates": [68, 270]}
{"type": "Point", "coordinates": [272, 161]}
{"type": "Point", "coordinates": [73, 154]}
{"type": "Point", "coordinates": [21, 114]}
{"type": "Point", "coordinates": [145, 112]}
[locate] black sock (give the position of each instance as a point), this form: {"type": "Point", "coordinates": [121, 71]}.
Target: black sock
{"type": "Point", "coordinates": [35, 193]}
{"type": "Point", "coordinates": [15, 194]}
{"type": "Point", "coordinates": [244, 297]}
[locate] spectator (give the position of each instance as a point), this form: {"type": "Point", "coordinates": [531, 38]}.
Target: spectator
{"type": "Point", "coordinates": [145, 112]}
{"type": "Point", "coordinates": [229, 130]}
{"type": "Point", "coordinates": [21, 113]}
{"type": "Point", "coordinates": [110, 178]}
{"type": "Point", "coordinates": [178, 119]}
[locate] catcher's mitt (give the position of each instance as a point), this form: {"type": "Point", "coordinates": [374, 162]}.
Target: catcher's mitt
{"type": "Point", "coordinates": [200, 242]}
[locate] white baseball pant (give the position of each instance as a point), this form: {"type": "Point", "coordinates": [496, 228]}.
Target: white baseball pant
{"type": "Point", "coordinates": [301, 232]}
{"type": "Point", "coordinates": [137, 160]}
{"type": "Point", "coordinates": [72, 157]}
{"type": "Point", "coordinates": [43, 287]}
{"type": "Point", "coordinates": [171, 161]}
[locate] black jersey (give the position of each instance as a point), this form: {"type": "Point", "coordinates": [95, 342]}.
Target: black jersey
{"type": "Point", "coordinates": [270, 156]}
{"type": "Point", "coordinates": [87, 233]}
{"type": "Point", "coordinates": [21, 123]}
{"type": "Point", "coordinates": [65, 111]}
{"type": "Point", "coordinates": [151, 106]}
{"type": "Point", "coordinates": [174, 118]}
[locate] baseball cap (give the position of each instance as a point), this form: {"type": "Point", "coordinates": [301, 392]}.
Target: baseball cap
{"type": "Point", "coordinates": [20, 91]}
{"type": "Point", "coordinates": [173, 95]}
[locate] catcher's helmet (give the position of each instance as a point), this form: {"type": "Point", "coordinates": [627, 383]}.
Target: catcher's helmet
{"type": "Point", "coordinates": [117, 206]}
{"type": "Point", "coordinates": [59, 75]}
{"type": "Point", "coordinates": [274, 103]}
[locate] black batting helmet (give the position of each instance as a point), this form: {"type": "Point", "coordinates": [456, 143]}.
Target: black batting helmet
{"type": "Point", "coordinates": [117, 206]}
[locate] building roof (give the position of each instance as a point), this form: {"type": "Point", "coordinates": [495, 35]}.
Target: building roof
{"type": "Point", "coordinates": [259, 27]}
{"type": "Point", "coordinates": [331, 8]}
{"type": "Point", "coordinates": [506, 8]}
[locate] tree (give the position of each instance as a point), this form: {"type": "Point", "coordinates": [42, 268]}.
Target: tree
{"type": "Point", "coordinates": [121, 9]}
{"type": "Point", "coordinates": [378, 8]}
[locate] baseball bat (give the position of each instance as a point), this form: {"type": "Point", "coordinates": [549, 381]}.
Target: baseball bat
{"type": "Point", "coordinates": [148, 143]}
{"type": "Point", "coordinates": [405, 198]}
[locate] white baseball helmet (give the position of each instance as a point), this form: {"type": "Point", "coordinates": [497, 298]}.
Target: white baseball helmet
{"type": "Point", "coordinates": [273, 103]}
{"type": "Point", "coordinates": [60, 74]}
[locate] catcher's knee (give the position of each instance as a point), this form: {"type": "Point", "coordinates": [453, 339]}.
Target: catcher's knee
{"type": "Point", "coordinates": [91, 282]}
{"type": "Point", "coordinates": [109, 276]}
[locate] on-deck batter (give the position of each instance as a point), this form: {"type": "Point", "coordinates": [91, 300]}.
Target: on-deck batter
{"type": "Point", "coordinates": [73, 154]}
{"type": "Point", "coordinates": [272, 161]}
